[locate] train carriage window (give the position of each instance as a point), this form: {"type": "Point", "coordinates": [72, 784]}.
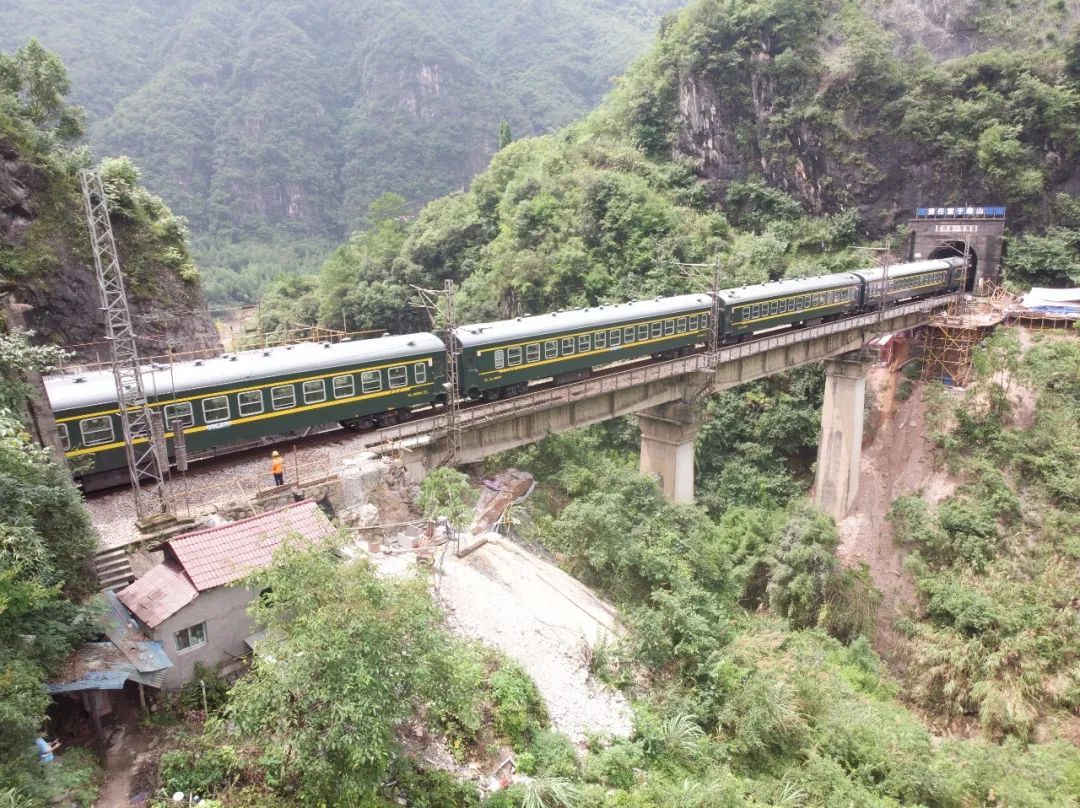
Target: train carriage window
{"type": "Point", "coordinates": [783, 306]}
{"type": "Point", "coordinates": [215, 409]}
{"type": "Point", "coordinates": [628, 334]}
{"type": "Point", "coordinates": [513, 357]}
{"type": "Point", "coordinates": [755, 311]}
{"type": "Point", "coordinates": [704, 321]}
{"type": "Point", "coordinates": [567, 346]}
{"type": "Point", "coordinates": [584, 342]}
{"type": "Point", "coordinates": [693, 323]}
{"type": "Point", "coordinates": [345, 386]}
{"type": "Point", "coordinates": [773, 305]}
{"type": "Point", "coordinates": [615, 338]}
{"type": "Point", "coordinates": [642, 332]}
{"type": "Point", "coordinates": [399, 377]}
{"type": "Point", "coordinates": [680, 325]}
{"type": "Point", "coordinates": [551, 349]}
{"type": "Point", "coordinates": [96, 431]}
{"type": "Point", "coordinates": [314, 391]}
{"type": "Point", "coordinates": [65, 436]}
{"type": "Point", "coordinates": [669, 327]}
{"type": "Point", "coordinates": [599, 339]}
{"type": "Point", "coordinates": [532, 352]}
{"type": "Point", "coordinates": [283, 397]}
{"type": "Point", "coordinates": [370, 381]}
{"type": "Point", "coordinates": [250, 402]}
{"type": "Point", "coordinates": [420, 372]}
{"type": "Point", "coordinates": [657, 329]}
{"type": "Point", "coordinates": [500, 358]}
{"type": "Point", "coordinates": [182, 412]}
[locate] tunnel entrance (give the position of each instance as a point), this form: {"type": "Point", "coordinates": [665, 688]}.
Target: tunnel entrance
{"type": "Point", "coordinates": [949, 249]}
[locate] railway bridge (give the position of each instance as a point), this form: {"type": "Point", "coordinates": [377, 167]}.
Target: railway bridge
{"type": "Point", "coordinates": [665, 396]}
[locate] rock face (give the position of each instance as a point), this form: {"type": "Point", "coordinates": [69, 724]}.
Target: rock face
{"type": "Point", "coordinates": [47, 264]}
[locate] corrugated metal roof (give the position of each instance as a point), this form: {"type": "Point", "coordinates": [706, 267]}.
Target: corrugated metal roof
{"type": "Point", "coordinates": [159, 594]}
{"type": "Point", "coordinates": [93, 666]}
{"type": "Point", "coordinates": [142, 652]}
{"type": "Point", "coordinates": [594, 317]}
{"type": "Point", "coordinates": [99, 387]}
{"type": "Point", "coordinates": [221, 555]}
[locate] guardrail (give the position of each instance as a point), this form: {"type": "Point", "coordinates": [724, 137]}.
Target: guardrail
{"type": "Point", "coordinates": [481, 414]}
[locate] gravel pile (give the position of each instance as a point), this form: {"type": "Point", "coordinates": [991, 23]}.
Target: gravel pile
{"type": "Point", "coordinates": [542, 618]}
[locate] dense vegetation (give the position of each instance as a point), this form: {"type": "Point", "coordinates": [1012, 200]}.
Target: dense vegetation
{"type": "Point", "coordinates": [45, 539]}
{"type": "Point", "coordinates": [272, 126]}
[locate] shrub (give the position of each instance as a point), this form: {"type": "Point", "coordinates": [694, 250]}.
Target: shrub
{"type": "Point", "coordinates": [553, 755]}
{"type": "Point", "coordinates": [422, 788]}
{"type": "Point", "coordinates": [805, 564]}
{"type": "Point", "coordinates": [202, 771]}
{"type": "Point", "coordinates": [614, 766]}
{"type": "Point", "coordinates": [518, 712]}
{"type": "Point", "coordinates": [217, 690]}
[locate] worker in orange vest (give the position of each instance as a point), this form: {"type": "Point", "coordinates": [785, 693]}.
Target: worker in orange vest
{"type": "Point", "coordinates": [277, 468]}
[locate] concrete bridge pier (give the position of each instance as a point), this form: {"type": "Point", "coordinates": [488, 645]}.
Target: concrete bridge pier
{"type": "Point", "coordinates": [667, 447]}
{"type": "Point", "coordinates": [840, 450]}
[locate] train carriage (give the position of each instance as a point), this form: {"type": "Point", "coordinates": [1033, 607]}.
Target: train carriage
{"type": "Point", "coordinates": [501, 358]}
{"type": "Point", "coordinates": [907, 281]}
{"type": "Point", "coordinates": [764, 306]}
{"type": "Point", "coordinates": [239, 398]}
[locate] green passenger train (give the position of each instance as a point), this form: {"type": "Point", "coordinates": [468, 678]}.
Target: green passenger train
{"type": "Point", "coordinates": [239, 398]}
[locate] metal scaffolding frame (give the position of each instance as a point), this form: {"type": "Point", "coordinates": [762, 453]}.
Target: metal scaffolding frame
{"type": "Point", "coordinates": [439, 305]}
{"type": "Point", "coordinates": [144, 440]}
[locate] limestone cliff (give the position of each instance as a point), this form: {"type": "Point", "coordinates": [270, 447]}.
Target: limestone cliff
{"type": "Point", "coordinates": [45, 260]}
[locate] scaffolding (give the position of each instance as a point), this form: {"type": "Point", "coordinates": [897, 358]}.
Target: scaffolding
{"type": "Point", "coordinates": [951, 337]}
{"type": "Point", "coordinates": [144, 440]}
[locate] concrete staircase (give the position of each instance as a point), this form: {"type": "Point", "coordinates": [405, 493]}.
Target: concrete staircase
{"type": "Point", "coordinates": [113, 568]}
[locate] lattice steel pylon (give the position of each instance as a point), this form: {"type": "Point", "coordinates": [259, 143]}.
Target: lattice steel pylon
{"type": "Point", "coordinates": [439, 304]}
{"type": "Point", "coordinates": [149, 473]}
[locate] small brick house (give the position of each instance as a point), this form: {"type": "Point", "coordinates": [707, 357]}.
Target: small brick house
{"type": "Point", "coordinates": [192, 602]}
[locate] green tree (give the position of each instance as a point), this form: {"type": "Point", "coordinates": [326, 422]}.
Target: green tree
{"type": "Point", "coordinates": [347, 658]}
{"type": "Point", "coordinates": [38, 80]}
{"type": "Point", "coordinates": [446, 492]}
{"type": "Point", "coordinates": [505, 136]}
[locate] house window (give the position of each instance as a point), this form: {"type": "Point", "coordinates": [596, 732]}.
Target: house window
{"type": "Point", "coordinates": [584, 342]}
{"type": "Point", "coordinates": [96, 430]}
{"type": "Point", "coordinates": [532, 352]}
{"type": "Point", "coordinates": [283, 397]}
{"type": "Point", "coordinates": [513, 357]}
{"type": "Point", "coordinates": [615, 337]}
{"type": "Point", "coordinates": [65, 437]}
{"type": "Point", "coordinates": [397, 376]}
{"type": "Point", "coordinates": [420, 372]}
{"type": "Point", "coordinates": [183, 412]}
{"type": "Point", "coordinates": [190, 637]}
{"type": "Point", "coordinates": [551, 349]}
{"type": "Point", "coordinates": [344, 386]}
{"type": "Point", "coordinates": [314, 391]}
{"type": "Point", "coordinates": [370, 381]}
{"type": "Point", "coordinates": [500, 359]}
{"type": "Point", "coordinates": [215, 409]}
{"type": "Point", "coordinates": [250, 402]}
{"type": "Point", "coordinates": [568, 346]}
{"type": "Point", "coordinates": [599, 339]}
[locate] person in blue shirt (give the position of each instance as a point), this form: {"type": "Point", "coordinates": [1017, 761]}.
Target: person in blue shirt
{"type": "Point", "coordinates": [45, 749]}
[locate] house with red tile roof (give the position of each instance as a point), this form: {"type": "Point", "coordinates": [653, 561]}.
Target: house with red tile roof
{"type": "Point", "coordinates": [194, 602]}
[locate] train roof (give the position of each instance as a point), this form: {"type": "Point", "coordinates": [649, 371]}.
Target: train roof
{"type": "Point", "coordinates": [76, 391]}
{"type": "Point", "coordinates": [793, 286]}
{"type": "Point", "coordinates": [913, 268]}
{"type": "Point", "coordinates": [526, 327]}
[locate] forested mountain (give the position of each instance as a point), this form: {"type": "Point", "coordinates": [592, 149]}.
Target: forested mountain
{"type": "Point", "coordinates": [776, 134]}
{"type": "Point", "coordinates": [277, 121]}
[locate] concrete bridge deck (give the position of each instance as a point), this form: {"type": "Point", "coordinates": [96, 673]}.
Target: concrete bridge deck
{"type": "Point", "coordinates": [487, 429]}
